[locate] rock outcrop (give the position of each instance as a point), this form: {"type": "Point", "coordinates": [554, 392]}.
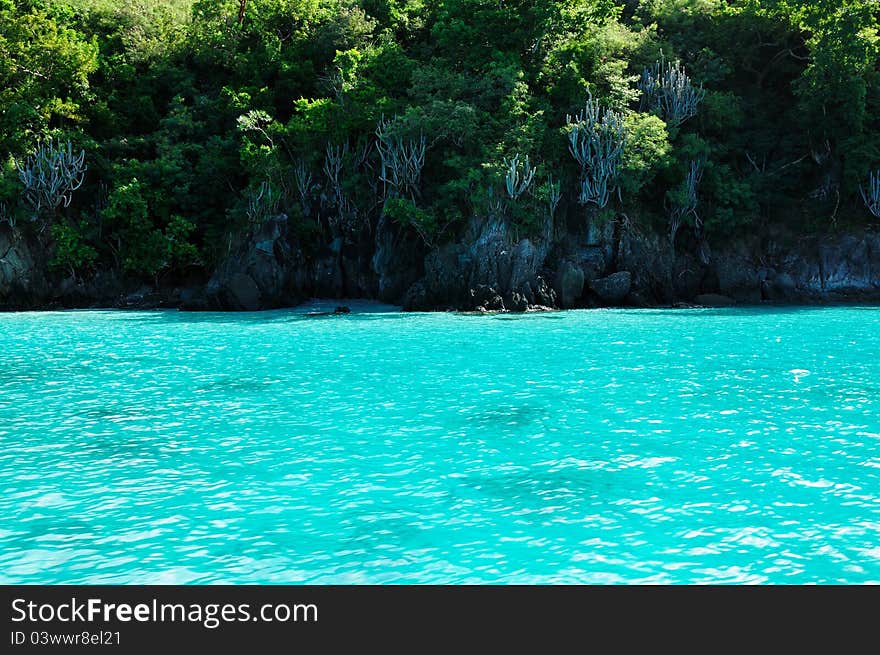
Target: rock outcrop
{"type": "Point", "coordinates": [397, 262]}
{"type": "Point", "coordinates": [614, 289]}
{"type": "Point", "coordinates": [489, 272]}
{"type": "Point", "coordinates": [569, 284]}
{"type": "Point", "coordinates": [23, 275]}
{"type": "Point", "coordinates": [486, 269]}
{"type": "Point", "coordinates": [264, 272]}
{"type": "Point", "coordinates": [787, 269]}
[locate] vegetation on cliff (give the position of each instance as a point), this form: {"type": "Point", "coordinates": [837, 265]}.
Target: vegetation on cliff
{"type": "Point", "coordinates": [200, 119]}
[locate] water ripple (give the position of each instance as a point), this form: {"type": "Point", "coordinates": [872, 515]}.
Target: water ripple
{"type": "Point", "coordinates": [732, 446]}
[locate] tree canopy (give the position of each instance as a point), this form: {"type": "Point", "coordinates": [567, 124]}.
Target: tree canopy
{"type": "Point", "coordinates": [201, 117]}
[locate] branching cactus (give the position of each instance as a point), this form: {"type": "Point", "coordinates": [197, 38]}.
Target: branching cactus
{"type": "Point", "coordinates": [595, 186]}
{"type": "Point", "coordinates": [596, 138]}
{"type": "Point", "coordinates": [688, 205]}
{"type": "Point", "coordinates": [518, 177]}
{"type": "Point", "coordinates": [667, 87]}
{"type": "Point", "coordinates": [871, 193]}
{"type": "Point", "coordinates": [402, 160]}
{"type": "Point", "coordinates": [50, 176]}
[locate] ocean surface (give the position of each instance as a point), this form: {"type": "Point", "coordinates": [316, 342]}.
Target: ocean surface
{"type": "Point", "coordinates": [607, 446]}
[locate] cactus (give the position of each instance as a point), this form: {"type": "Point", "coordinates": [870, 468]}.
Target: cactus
{"type": "Point", "coordinates": [518, 178]}
{"type": "Point", "coordinates": [495, 205]}
{"type": "Point", "coordinates": [596, 141]}
{"type": "Point", "coordinates": [50, 176]}
{"type": "Point", "coordinates": [667, 87]}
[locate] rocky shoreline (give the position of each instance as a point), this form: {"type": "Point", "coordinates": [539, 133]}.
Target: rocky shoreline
{"type": "Point", "coordinates": [486, 271]}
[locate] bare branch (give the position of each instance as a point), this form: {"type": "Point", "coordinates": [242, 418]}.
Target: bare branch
{"type": "Point", "coordinates": [554, 195]}
{"type": "Point", "coordinates": [304, 183]}
{"type": "Point", "coordinates": [689, 204]}
{"type": "Point", "coordinates": [262, 204]}
{"type": "Point", "coordinates": [402, 160]}
{"type": "Point", "coordinates": [871, 193]}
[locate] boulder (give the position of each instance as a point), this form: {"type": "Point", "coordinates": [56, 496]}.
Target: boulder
{"type": "Point", "coordinates": [242, 293]}
{"type": "Point", "coordinates": [486, 298]}
{"type": "Point", "coordinates": [737, 274]}
{"type": "Point", "coordinates": [516, 302]}
{"type": "Point", "coordinates": [195, 300]}
{"type": "Point", "coordinates": [592, 261]}
{"type": "Point", "coordinates": [688, 277]}
{"type": "Point", "coordinates": [545, 297]}
{"type": "Point", "coordinates": [780, 287]}
{"type": "Point", "coordinates": [614, 289]}
{"type": "Point", "coordinates": [526, 259]}
{"type": "Point", "coordinates": [635, 299]}
{"type": "Point", "coordinates": [327, 276]}
{"type": "Point", "coordinates": [416, 299]}
{"type": "Point", "coordinates": [569, 284]}
{"type": "Point", "coordinates": [649, 258]}
{"type": "Point", "coordinates": [445, 283]}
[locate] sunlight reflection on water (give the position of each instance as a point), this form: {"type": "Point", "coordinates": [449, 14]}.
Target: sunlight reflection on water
{"type": "Point", "coordinates": [606, 446]}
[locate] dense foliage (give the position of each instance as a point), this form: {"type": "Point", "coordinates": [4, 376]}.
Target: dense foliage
{"type": "Point", "coordinates": [200, 118]}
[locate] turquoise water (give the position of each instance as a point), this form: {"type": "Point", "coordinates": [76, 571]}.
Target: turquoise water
{"type": "Point", "coordinates": [683, 446]}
